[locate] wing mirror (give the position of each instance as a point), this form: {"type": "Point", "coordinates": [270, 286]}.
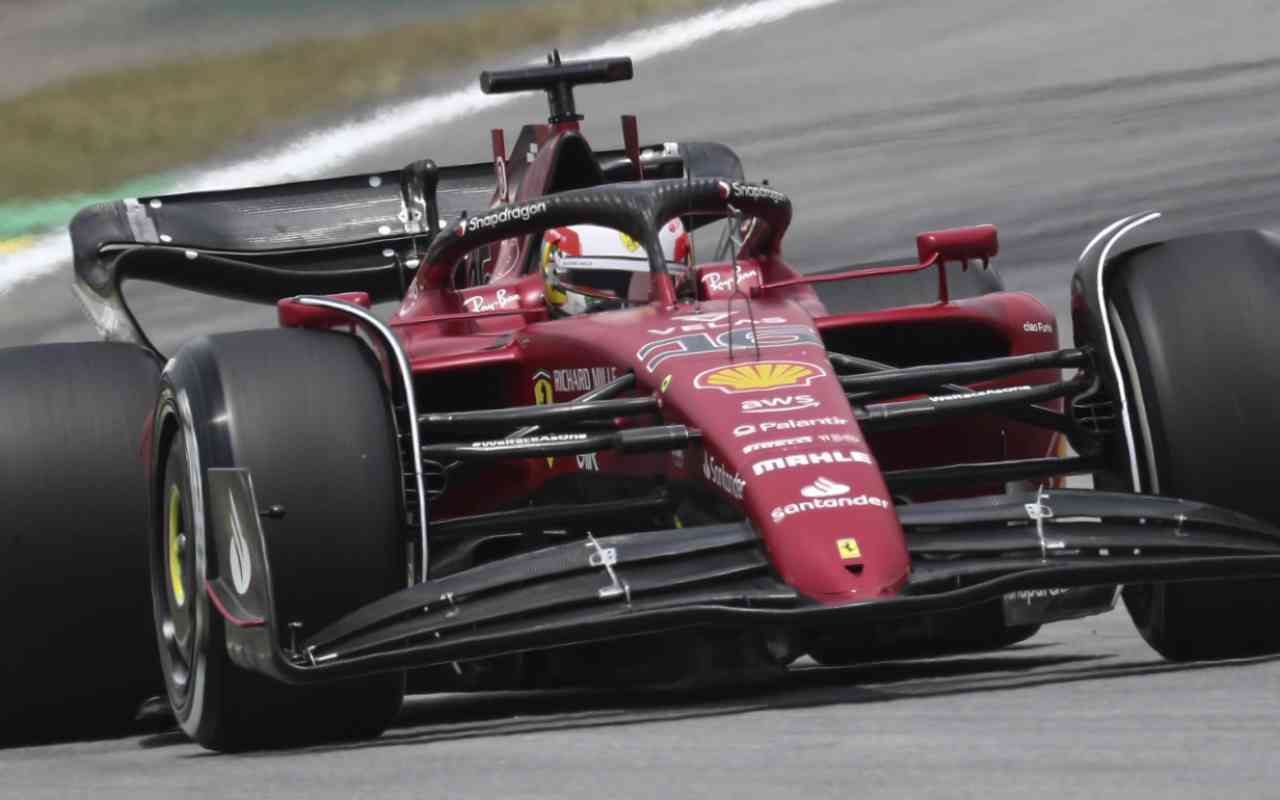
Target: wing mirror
{"type": "Point", "coordinates": [293, 314]}
{"type": "Point", "coordinates": [959, 244]}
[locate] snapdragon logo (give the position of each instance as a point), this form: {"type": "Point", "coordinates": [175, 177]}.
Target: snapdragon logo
{"type": "Point", "coordinates": [750, 190]}
{"type": "Point", "coordinates": [523, 213]}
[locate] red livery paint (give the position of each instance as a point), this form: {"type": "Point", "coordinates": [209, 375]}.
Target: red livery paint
{"type": "Point", "coordinates": [737, 350]}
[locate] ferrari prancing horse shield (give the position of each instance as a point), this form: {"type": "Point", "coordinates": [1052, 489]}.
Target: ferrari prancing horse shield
{"type": "Point", "coordinates": [848, 549]}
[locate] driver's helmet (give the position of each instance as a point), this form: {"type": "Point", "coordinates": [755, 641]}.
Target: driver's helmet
{"type": "Point", "coordinates": [592, 268]}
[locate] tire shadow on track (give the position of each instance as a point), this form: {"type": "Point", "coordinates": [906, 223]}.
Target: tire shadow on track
{"type": "Point", "coordinates": [427, 719]}
{"type": "Point", "coordinates": [148, 724]}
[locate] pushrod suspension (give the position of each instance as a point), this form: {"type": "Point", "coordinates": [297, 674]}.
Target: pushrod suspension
{"type": "Point", "coordinates": [906, 380]}
{"type": "Point", "coordinates": [995, 471]}
{"type": "Point", "coordinates": [1030, 414]}
{"type": "Point", "coordinates": [543, 416]}
{"type": "Point", "coordinates": [907, 413]}
{"type": "Point", "coordinates": [629, 440]}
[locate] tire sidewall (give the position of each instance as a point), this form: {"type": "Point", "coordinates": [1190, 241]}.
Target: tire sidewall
{"type": "Point", "coordinates": [203, 390]}
{"type": "Point", "coordinates": [1190, 354]}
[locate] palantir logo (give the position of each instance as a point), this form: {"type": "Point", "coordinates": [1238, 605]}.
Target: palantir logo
{"type": "Point", "coordinates": [824, 487]}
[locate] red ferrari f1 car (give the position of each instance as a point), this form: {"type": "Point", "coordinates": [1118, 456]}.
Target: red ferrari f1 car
{"type": "Point", "coordinates": [610, 437]}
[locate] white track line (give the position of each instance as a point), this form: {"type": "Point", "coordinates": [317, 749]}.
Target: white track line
{"type": "Point", "coordinates": [326, 150]}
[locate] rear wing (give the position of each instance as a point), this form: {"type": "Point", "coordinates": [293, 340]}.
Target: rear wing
{"type": "Point", "coordinates": [356, 233]}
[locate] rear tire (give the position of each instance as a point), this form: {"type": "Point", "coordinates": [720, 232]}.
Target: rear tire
{"type": "Point", "coordinates": [306, 414]}
{"type": "Point", "coordinates": [1198, 315]}
{"type": "Point", "coordinates": [78, 655]}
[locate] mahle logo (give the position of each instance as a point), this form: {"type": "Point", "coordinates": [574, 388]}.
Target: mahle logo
{"type": "Point", "coordinates": [830, 457]}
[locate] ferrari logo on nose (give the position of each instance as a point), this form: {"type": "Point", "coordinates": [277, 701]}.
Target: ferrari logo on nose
{"type": "Point", "coordinates": [848, 549]}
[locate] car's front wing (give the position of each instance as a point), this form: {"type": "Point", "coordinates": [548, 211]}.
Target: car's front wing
{"type": "Point", "coordinates": [964, 552]}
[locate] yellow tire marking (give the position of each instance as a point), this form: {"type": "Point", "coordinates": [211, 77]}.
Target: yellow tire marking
{"type": "Point", "coordinates": [175, 558]}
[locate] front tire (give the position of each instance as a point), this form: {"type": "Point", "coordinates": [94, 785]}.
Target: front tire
{"type": "Point", "coordinates": [305, 413]}
{"type": "Point", "coordinates": [1197, 318]}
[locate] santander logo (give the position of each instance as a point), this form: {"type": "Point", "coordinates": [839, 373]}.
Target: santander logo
{"type": "Point", "coordinates": [824, 487]}
{"type": "Point", "coordinates": [825, 494]}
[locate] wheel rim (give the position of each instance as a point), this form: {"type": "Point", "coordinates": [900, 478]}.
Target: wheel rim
{"type": "Point", "coordinates": [177, 611]}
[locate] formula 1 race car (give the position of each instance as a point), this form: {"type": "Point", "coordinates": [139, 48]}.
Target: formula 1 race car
{"type": "Point", "coordinates": [608, 438]}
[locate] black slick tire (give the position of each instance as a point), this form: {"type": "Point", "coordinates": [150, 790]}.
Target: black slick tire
{"type": "Point", "coordinates": [73, 493]}
{"type": "Point", "coordinates": [305, 412]}
{"type": "Point", "coordinates": [1198, 317]}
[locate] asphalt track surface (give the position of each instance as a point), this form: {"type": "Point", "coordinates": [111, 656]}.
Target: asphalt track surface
{"type": "Point", "coordinates": [880, 119]}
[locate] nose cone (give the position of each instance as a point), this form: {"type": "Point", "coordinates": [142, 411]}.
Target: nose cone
{"type": "Point", "coordinates": [815, 493]}
{"type": "Point", "coordinates": [780, 438]}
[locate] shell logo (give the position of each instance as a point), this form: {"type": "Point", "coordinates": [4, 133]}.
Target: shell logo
{"type": "Point", "coordinates": [760, 376]}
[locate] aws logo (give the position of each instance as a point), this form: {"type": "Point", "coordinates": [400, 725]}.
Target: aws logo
{"type": "Point", "coordinates": [762, 376]}
{"type": "Point", "coordinates": [770, 405]}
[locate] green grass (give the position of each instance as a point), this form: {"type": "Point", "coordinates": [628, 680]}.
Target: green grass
{"type": "Point", "coordinates": [96, 132]}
